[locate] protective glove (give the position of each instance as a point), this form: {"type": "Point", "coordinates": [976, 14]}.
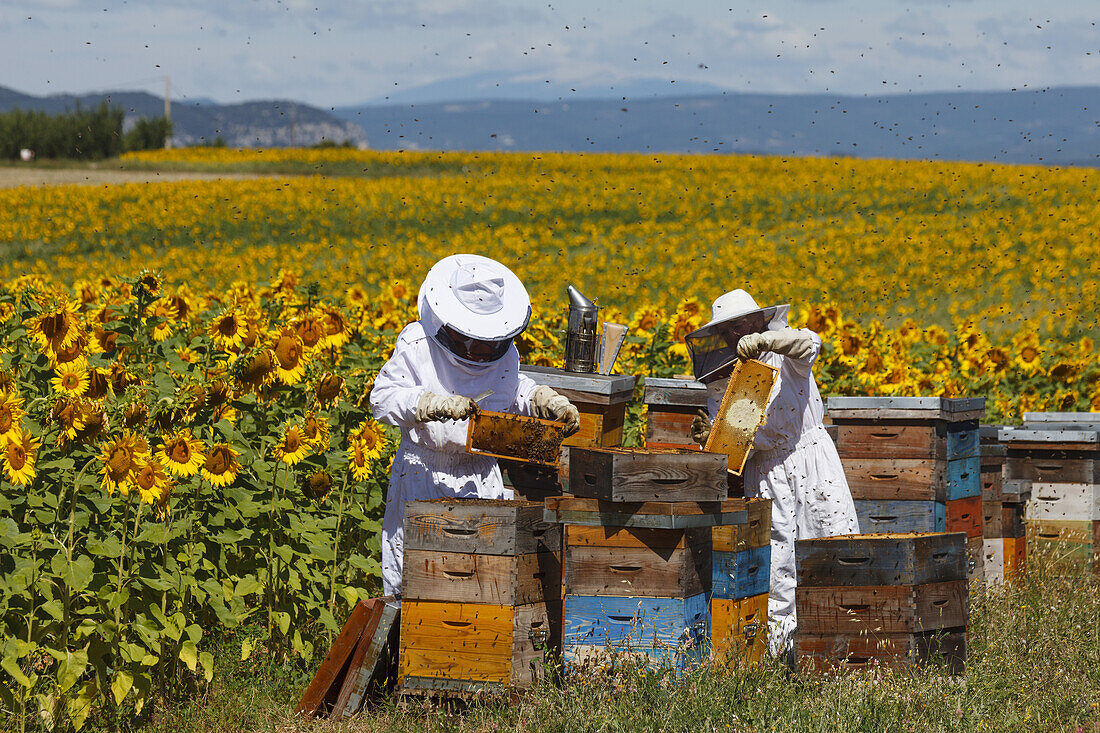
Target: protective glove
{"type": "Point", "coordinates": [549, 405]}
{"type": "Point", "coordinates": [431, 406]}
{"type": "Point", "coordinates": [700, 428]}
{"type": "Point", "coordinates": [797, 344]}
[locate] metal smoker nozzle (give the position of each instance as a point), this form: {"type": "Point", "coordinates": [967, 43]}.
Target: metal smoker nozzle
{"type": "Point", "coordinates": [579, 301]}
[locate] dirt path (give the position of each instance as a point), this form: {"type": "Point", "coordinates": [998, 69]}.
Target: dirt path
{"type": "Point", "coordinates": [11, 176]}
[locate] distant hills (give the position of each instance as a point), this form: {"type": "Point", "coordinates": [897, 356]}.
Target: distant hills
{"type": "Point", "coordinates": [274, 123]}
{"type": "Point", "coordinates": [1054, 126]}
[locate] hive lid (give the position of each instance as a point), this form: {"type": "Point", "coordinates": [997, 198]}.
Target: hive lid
{"type": "Point", "coordinates": [938, 404]}
{"type": "Point", "coordinates": [608, 384]}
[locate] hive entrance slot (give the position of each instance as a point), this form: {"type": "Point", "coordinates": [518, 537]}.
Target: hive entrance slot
{"type": "Point", "coordinates": [854, 560]}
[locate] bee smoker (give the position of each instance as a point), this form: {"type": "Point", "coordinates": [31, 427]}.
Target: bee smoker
{"type": "Point", "coordinates": [581, 340]}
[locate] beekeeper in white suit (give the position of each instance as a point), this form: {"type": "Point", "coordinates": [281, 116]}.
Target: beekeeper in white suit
{"type": "Point", "coordinates": [471, 309]}
{"type": "Point", "coordinates": [793, 460]}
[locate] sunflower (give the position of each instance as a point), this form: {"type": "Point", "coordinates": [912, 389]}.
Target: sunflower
{"type": "Point", "coordinates": [317, 485]}
{"type": "Point", "coordinates": [221, 466]}
{"type": "Point", "coordinates": [67, 414]}
{"type": "Point", "coordinates": [153, 483]}
{"type": "Point", "coordinates": [182, 453]}
{"type": "Point", "coordinates": [258, 371]}
{"type": "Point", "coordinates": [122, 457]}
{"type": "Point", "coordinates": [166, 315]}
{"type": "Point", "coordinates": [336, 328]}
{"type": "Point", "coordinates": [310, 330]}
{"type": "Point", "coordinates": [316, 431]}
{"type": "Point", "coordinates": [73, 352]}
{"type": "Point", "coordinates": [20, 451]}
{"type": "Point", "coordinates": [57, 328]}
{"type": "Point", "coordinates": [94, 418]}
{"type": "Point", "coordinates": [11, 412]}
{"type": "Point", "coordinates": [148, 282]}
{"type": "Point", "coordinates": [228, 330]}
{"type": "Point", "coordinates": [366, 443]}
{"type": "Point", "coordinates": [289, 357]}
{"type": "Point", "coordinates": [329, 388]}
{"type": "Point", "coordinates": [135, 414]}
{"type": "Point", "coordinates": [293, 447]}
{"type": "Point", "coordinates": [121, 379]}
{"type": "Point", "coordinates": [104, 340]}
{"type": "Point", "coordinates": [99, 384]}
{"type": "Point", "coordinates": [71, 379]}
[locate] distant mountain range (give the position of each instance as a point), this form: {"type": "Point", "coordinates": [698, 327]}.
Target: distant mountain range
{"type": "Point", "coordinates": [274, 123]}
{"type": "Point", "coordinates": [1054, 126]}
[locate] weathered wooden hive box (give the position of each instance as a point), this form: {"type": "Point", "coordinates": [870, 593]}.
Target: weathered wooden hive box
{"type": "Point", "coordinates": [647, 474]}
{"type": "Point", "coordinates": [671, 404]}
{"type": "Point", "coordinates": [637, 578]}
{"type": "Point", "coordinates": [914, 465]}
{"type": "Point", "coordinates": [481, 595]}
{"type": "Point", "coordinates": [885, 599]}
{"type": "Point", "coordinates": [1057, 456]}
{"type": "Point", "coordinates": [740, 577]}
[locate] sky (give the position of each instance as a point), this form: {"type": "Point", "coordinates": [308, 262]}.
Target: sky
{"type": "Point", "coordinates": [346, 52]}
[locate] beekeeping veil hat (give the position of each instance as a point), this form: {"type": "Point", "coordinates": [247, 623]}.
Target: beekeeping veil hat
{"type": "Point", "coordinates": [714, 346]}
{"type": "Point", "coordinates": [476, 296]}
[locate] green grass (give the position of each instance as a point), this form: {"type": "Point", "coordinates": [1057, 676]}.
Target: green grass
{"type": "Point", "coordinates": [1034, 665]}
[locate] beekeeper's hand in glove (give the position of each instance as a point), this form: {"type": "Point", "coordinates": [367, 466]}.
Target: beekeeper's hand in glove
{"type": "Point", "coordinates": [431, 406]}
{"type": "Point", "coordinates": [549, 405]}
{"type": "Point", "coordinates": [700, 428]}
{"type": "Point", "coordinates": [797, 344]}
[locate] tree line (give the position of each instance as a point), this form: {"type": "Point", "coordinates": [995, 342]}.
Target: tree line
{"type": "Point", "coordinates": [83, 134]}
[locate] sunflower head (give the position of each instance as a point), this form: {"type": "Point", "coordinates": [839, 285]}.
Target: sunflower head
{"type": "Point", "coordinates": [148, 283]}
{"type": "Point", "coordinates": [71, 379]}
{"type": "Point", "coordinates": [153, 483]}
{"type": "Point", "coordinates": [258, 371]}
{"type": "Point", "coordinates": [294, 446]}
{"type": "Point", "coordinates": [94, 418]}
{"type": "Point", "coordinates": [310, 330]}
{"type": "Point", "coordinates": [329, 388]}
{"type": "Point", "coordinates": [336, 328]}
{"type": "Point", "coordinates": [228, 330]}
{"type": "Point", "coordinates": [135, 415]}
{"type": "Point", "coordinates": [221, 466]}
{"type": "Point", "coordinates": [289, 357]}
{"type": "Point", "coordinates": [317, 485]}
{"type": "Point", "coordinates": [182, 454]}
{"type": "Point", "coordinates": [20, 452]}
{"type": "Point", "coordinates": [11, 411]}
{"type": "Point", "coordinates": [316, 431]}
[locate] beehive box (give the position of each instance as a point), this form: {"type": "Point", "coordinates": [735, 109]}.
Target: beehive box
{"type": "Point", "coordinates": [647, 474]}
{"type": "Point", "coordinates": [878, 516]}
{"type": "Point", "coordinates": [478, 576]}
{"type": "Point", "coordinates": [659, 563]}
{"type": "Point", "coordinates": [741, 574]}
{"type": "Point", "coordinates": [455, 648]}
{"type": "Point", "coordinates": [671, 405]}
{"type": "Point", "coordinates": [601, 400]}
{"type": "Point", "coordinates": [912, 479]}
{"type": "Point", "coordinates": [645, 515]}
{"type": "Point", "coordinates": [892, 600]}
{"type": "Point", "coordinates": [755, 532]}
{"type": "Point", "coordinates": [992, 462]}
{"type": "Point", "coordinates": [659, 632]}
{"type": "Point", "coordinates": [739, 629]}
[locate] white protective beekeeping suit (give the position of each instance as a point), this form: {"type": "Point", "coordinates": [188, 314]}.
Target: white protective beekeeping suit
{"type": "Point", "coordinates": [481, 299]}
{"type": "Point", "coordinates": [793, 461]}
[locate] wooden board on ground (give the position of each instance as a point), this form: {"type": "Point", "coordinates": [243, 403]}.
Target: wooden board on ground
{"type": "Point", "coordinates": [516, 437]}
{"type": "Point", "coordinates": [324, 690]}
{"type": "Point", "coordinates": [373, 667]}
{"type": "Point", "coordinates": [890, 609]}
{"type": "Point", "coordinates": [481, 526]}
{"type": "Point", "coordinates": [742, 412]}
{"type": "Point", "coordinates": [647, 474]}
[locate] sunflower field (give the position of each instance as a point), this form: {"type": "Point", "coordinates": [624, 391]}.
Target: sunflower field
{"type": "Point", "coordinates": [186, 438]}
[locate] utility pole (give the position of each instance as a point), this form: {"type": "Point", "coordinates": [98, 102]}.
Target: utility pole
{"type": "Point", "coordinates": [167, 108]}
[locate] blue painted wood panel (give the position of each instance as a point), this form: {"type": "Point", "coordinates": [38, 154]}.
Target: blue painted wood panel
{"type": "Point", "coordinates": [964, 478]}
{"type": "Point", "coordinates": [901, 516]}
{"type": "Point", "coordinates": [963, 440]}
{"type": "Point", "coordinates": [740, 574]}
{"type": "Point", "coordinates": [642, 622]}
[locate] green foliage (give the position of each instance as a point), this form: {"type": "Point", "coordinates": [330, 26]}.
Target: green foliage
{"type": "Point", "coordinates": [109, 593]}
{"type": "Point", "coordinates": [81, 134]}
{"type": "Point", "coordinates": [147, 134]}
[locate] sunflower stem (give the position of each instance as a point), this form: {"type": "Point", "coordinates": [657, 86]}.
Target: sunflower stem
{"type": "Point", "coordinates": [336, 544]}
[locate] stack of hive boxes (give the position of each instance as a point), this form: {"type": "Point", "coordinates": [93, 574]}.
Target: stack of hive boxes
{"type": "Point", "coordinates": [601, 399]}
{"type": "Point", "coordinates": [914, 465]}
{"type": "Point", "coordinates": [993, 458]}
{"type": "Point", "coordinates": [481, 595]}
{"type": "Point", "coordinates": [1057, 457]}
{"type": "Point", "coordinates": [638, 556]}
{"type": "Point", "coordinates": [741, 561]}
{"type": "Point", "coordinates": [889, 599]}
